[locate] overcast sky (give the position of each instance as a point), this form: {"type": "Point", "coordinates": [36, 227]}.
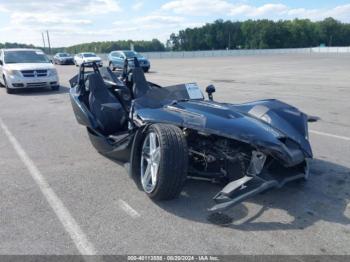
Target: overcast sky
{"type": "Point", "coordinates": [77, 21]}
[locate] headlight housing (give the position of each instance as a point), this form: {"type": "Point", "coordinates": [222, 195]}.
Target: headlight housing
{"type": "Point", "coordinates": [52, 72]}
{"type": "Point", "coordinates": [13, 73]}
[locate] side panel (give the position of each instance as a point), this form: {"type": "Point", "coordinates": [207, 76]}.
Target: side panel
{"type": "Point", "coordinates": [117, 150]}
{"type": "Point", "coordinates": [117, 61]}
{"type": "Point", "coordinates": [81, 112]}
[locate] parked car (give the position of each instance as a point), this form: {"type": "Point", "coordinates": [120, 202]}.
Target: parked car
{"type": "Point", "coordinates": [87, 58]}
{"type": "Point", "coordinates": [63, 59]}
{"type": "Point", "coordinates": [168, 134]}
{"type": "Point", "coordinates": [26, 68]}
{"type": "Point", "coordinates": [116, 60]}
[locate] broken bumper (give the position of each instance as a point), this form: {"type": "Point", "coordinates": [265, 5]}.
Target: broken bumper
{"type": "Point", "coordinates": [239, 190]}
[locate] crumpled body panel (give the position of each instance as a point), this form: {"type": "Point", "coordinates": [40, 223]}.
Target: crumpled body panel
{"type": "Point", "coordinates": [266, 124]}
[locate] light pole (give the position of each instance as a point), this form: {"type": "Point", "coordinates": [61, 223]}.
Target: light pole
{"type": "Point", "coordinates": [42, 35]}
{"type": "Point", "coordinates": [48, 41]}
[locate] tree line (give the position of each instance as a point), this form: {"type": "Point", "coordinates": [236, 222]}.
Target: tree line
{"type": "Point", "coordinates": [259, 34]}
{"type": "Point", "coordinates": [250, 34]}
{"type": "Point", "coordinates": [108, 46]}
{"type": "Point", "coordinates": [15, 45]}
{"type": "Point", "coordinates": [98, 47]}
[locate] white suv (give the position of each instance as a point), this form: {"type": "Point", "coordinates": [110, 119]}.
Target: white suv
{"type": "Point", "coordinates": [26, 68]}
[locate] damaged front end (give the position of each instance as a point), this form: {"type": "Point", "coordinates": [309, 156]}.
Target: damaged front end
{"type": "Point", "coordinates": [249, 147]}
{"type": "Point", "coordinates": [247, 170]}
{"type": "Point", "coordinates": [258, 179]}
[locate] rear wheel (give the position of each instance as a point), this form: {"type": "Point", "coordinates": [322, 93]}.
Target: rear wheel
{"type": "Point", "coordinates": [164, 161]}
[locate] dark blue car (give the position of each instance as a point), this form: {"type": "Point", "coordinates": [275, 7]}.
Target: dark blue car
{"type": "Point", "coordinates": [116, 60]}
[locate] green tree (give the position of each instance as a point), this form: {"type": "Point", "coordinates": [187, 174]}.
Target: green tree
{"type": "Point", "coordinates": [252, 34]}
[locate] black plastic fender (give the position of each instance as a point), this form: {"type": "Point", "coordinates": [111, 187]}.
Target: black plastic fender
{"type": "Point", "coordinates": [135, 152]}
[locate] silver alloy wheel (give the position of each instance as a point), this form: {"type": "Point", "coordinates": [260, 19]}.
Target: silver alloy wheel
{"type": "Point", "coordinates": [150, 160]}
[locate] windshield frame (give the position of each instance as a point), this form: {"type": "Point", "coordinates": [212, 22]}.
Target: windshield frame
{"type": "Point", "coordinates": [41, 57]}
{"type": "Point", "coordinates": [64, 55]}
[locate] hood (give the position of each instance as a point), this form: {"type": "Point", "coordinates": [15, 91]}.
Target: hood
{"type": "Point", "coordinates": [224, 120]}
{"type": "Point", "coordinates": [29, 66]}
{"type": "Point", "coordinates": [285, 118]}
{"type": "Point", "coordinates": [92, 59]}
{"type": "Point", "coordinates": [66, 58]}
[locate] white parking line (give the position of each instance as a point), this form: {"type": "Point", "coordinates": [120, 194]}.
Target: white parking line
{"type": "Point", "coordinates": [329, 135]}
{"type": "Point", "coordinates": [68, 222]}
{"type": "Point", "coordinates": [128, 209]}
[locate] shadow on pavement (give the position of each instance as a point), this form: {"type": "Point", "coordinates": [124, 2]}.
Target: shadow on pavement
{"type": "Point", "coordinates": [324, 197]}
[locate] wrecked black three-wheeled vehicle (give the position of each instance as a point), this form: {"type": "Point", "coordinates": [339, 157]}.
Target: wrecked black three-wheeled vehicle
{"type": "Point", "coordinates": [166, 135]}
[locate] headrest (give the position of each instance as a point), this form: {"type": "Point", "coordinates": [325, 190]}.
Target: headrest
{"type": "Point", "coordinates": [141, 86]}
{"type": "Point", "coordinates": [96, 82]}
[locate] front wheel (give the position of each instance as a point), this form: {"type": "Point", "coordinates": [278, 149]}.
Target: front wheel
{"type": "Point", "coordinates": [2, 85]}
{"type": "Point", "coordinates": [8, 90]}
{"type": "Point", "coordinates": [164, 162]}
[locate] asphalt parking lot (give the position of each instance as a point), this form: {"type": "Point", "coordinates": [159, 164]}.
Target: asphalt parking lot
{"type": "Point", "coordinates": [59, 196]}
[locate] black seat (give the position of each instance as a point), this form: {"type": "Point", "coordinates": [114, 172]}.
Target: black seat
{"type": "Point", "coordinates": [120, 90]}
{"type": "Point", "coordinates": [140, 84]}
{"type": "Point", "coordinates": [105, 107]}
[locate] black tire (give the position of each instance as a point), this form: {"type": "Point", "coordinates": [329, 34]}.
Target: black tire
{"type": "Point", "coordinates": [55, 88]}
{"type": "Point", "coordinates": [8, 90]}
{"type": "Point", "coordinates": [173, 164]}
{"type": "Point", "coordinates": [146, 70]}
{"type": "Point", "coordinates": [1, 85]}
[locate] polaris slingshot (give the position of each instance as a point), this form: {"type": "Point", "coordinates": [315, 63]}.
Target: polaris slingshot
{"type": "Point", "coordinates": [167, 134]}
